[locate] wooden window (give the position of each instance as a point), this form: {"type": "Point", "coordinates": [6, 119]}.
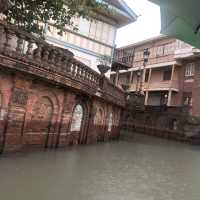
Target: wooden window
{"type": "Point", "coordinates": [187, 99]}
{"type": "Point", "coordinates": [190, 69]}
{"type": "Point", "coordinates": [167, 75]}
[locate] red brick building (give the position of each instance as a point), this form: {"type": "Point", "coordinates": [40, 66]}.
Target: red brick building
{"type": "Point", "coordinates": [50, 99]}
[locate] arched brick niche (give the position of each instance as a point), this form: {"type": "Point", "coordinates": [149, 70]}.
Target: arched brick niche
{"type": "Point", "coordinates": [78, 123]}
{"type": "Point", "coordinates": [42, 119]}
{"type": "Point", "coordinates": [99, 124]}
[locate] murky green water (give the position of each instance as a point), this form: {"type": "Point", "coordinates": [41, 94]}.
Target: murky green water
{"type": "Point", "coordinates": [143, 169]}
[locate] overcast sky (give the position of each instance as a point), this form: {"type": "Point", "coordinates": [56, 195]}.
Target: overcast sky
{"type": "Point", "coordinates": [146, 26]}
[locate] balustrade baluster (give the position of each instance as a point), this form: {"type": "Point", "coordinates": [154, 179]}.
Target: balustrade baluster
{"type": "Point", "coordinates": [19, 48]}
{"type": "Point", "coordinates": [68, 65]}
{"type": "Point", "coordinates": [29, 51]}
{"type": "Point", "coordinates": [83, 72]}
{"type": "Point", "coordinates": [58, 58]}
{"type": "Point", "coordinates": [78, 70]}
{"type": "Point", "coordinates": [74, 68]}
{"type": "Point", "coordinates": [45, 53]}
{"type": "Point", "coordinates": [38, 52]}
{"type": "Point", "coordinates": [52, 57]}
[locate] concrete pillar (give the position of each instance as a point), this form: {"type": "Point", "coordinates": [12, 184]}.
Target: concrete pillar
{"type": "Point", "coordinates": [143, 76]}
{"type": "Point", "coordinates": [171, 84]}
{"type": "Point", "coordinates": [149, 78]}
{"type": "Point", "coordinates": [169, 98]}
{"type": "Point", "coordinates": [150, 72]}
{"type": "Point", "coordinates": [131, 78]}
{"type": "Point", "coordinates": [172, 75]}
{"type": "Point", "coordinates": [146, 98]}
{"type": "Point", "coordinates": [117, 78]}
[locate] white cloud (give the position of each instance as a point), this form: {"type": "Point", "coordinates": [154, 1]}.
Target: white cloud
{"type": "Point", "coordinates": [146, 26]}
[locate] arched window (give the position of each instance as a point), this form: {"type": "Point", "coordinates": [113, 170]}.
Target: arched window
{"type": "Point", "coordinates": [110, 122]}
{"type": "Point", "coordinates": [77, 118]}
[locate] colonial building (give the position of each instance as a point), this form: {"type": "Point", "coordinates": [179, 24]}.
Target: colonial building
{"type": "Point", "coordinates": [169, 77]}
{"type": "Point", "coordinates": [94, 38]}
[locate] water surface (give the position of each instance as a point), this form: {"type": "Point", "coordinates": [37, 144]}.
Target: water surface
{"type": "Point", "coordinates": [143, 169]}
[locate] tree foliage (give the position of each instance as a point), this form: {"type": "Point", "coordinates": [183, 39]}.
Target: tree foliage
{"type": "Point", "coordinates": [28, 14]}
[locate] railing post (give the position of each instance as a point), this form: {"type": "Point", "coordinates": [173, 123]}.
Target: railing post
{"type": "Point", "coordinates": [68, 65]}
{"type": "Point", "coordinates": [58, 58]}
{"type": "Point", "coordinates": [46, 54]}
{"type": "Point", "coordinates": [74, 67]}
{"type": "Point", "coordinates": [38, 52]}
{"type": "Point", "coordinates": [19, 47]}
{"type": "Point", "coordinates": [52, 57]}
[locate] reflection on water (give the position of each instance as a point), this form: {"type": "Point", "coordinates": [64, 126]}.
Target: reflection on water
{"type": "Point", "coordinates": [142, 169]}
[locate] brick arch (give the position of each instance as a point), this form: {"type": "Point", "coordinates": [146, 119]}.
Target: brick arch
{"type": "Point", "coordinates": [42, 116]}
{"type": "Point", "coordinates": [80, 136]}
{"type": "Point", "coordinates": [99, 124]}
{"type": "Point", "coordinates": [99, 117]}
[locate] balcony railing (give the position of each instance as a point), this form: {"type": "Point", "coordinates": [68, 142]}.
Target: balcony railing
{"type": "Point", "coordinates": [157, 86]}
{"type": "Point", "coordinates": [30, 54]}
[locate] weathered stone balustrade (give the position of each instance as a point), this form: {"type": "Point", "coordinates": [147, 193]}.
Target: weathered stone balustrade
{"type": "Point", "coordinates": [30, 54]}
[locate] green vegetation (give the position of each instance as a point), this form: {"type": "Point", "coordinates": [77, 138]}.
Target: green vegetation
{"type": "Point", "coordinates": [28, 14]}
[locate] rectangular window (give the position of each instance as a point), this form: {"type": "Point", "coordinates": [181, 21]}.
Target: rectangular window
{"type": "Point", "coordinates": [160, 51]}
{"type": "Point", "coordinates": [99, 30]}
{"type": "Point", "coordinates": [190, 69]}
{"type": "Point", "coordinates": [84, 27]}
{"type": "Point", "coordinates": [93, 28]}
{"type": "Point", "coordinates": [167, 75]}
{"type": "Point", "coordinates": [187, 99]}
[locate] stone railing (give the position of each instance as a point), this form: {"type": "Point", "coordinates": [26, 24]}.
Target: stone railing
{"type": "Point", "coordinates": [25, 49]}
{"type": "Point", "coordinates": [21, 45]}
{"type": "Point", "coordinates": [113, 92]}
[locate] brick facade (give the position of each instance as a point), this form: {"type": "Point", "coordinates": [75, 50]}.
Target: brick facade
{"type": "Point", "coordinates": [49, 99]}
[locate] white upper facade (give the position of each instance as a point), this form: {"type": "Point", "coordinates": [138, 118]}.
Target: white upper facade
{"type": "Point", "coordinates": [94, 38]}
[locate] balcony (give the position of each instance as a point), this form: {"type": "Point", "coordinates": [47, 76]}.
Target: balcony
{"type": "Point", "coordinates": [157, 86]}
{"type": "Point", "coordinates": [189, 52]}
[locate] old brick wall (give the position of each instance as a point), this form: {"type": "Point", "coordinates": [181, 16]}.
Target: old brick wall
{"type": "Point", "coordinates": [37, 113]}
{"type": "Point", "coordinates": [196, 91]}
